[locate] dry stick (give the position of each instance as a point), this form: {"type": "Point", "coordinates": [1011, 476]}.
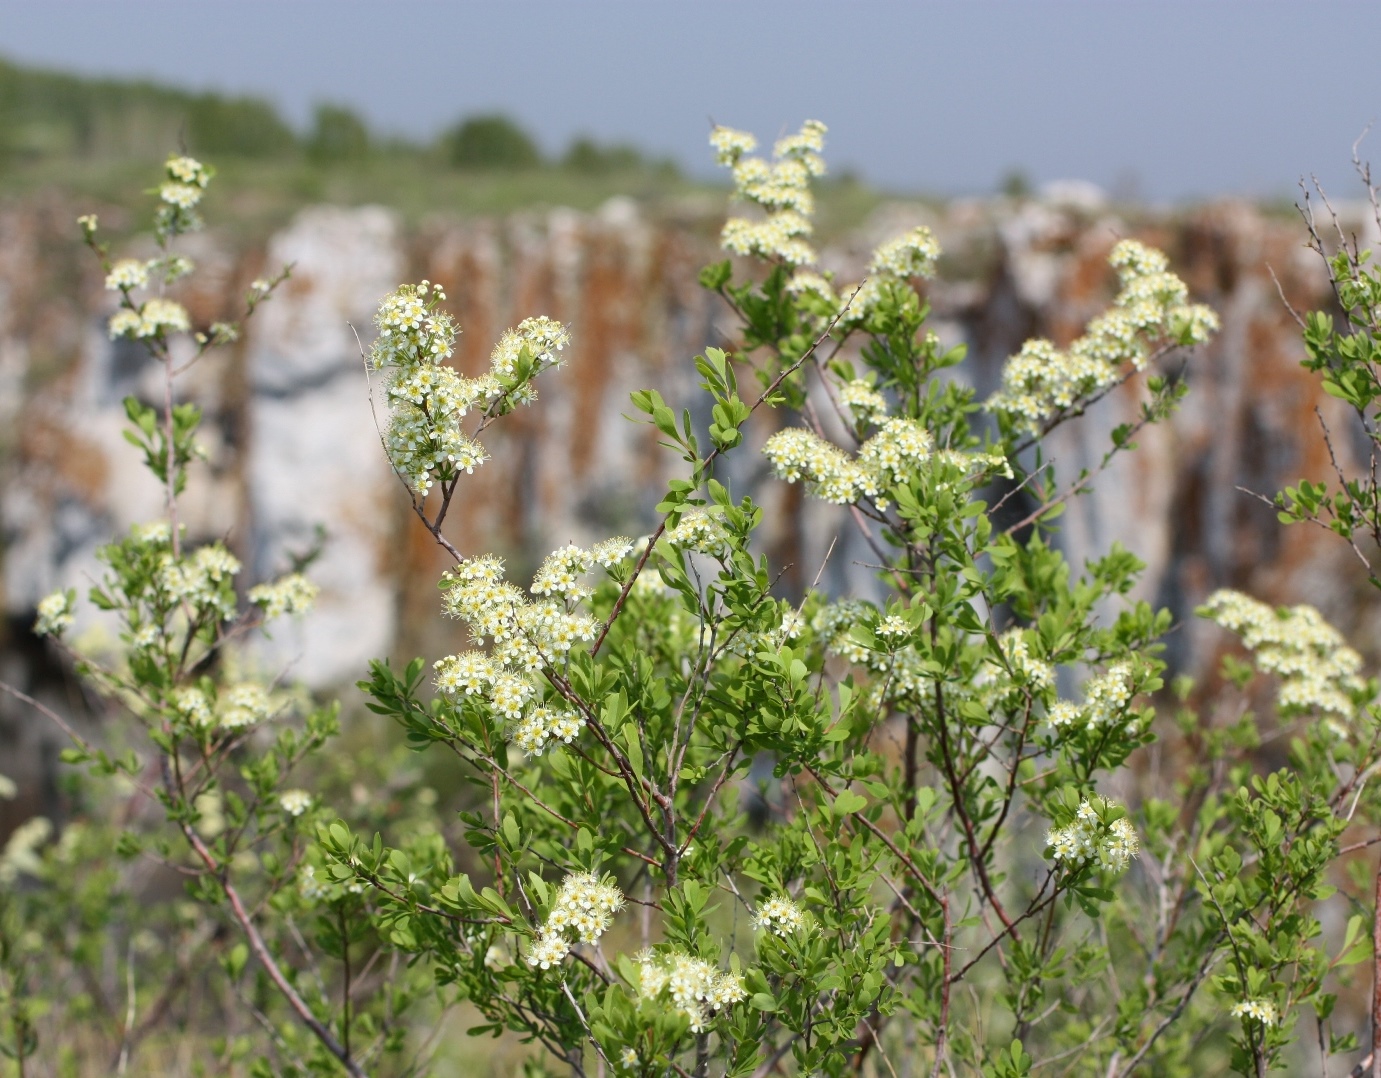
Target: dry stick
{"type": "Point", "coordinates": [261, 952]}
{"type": "Point", "coordinates": [1366, 562]}
{"type": "Point", "coordinates": [417, 507]}
{"type": "Point", "coordinates": [704, 466]}
{"type": "Point", "coordinates": [970, 835]}
{"type": "Point", "coordinates": [1376, 983]}
{"type": "Point", "coordinates": [1079, 486]}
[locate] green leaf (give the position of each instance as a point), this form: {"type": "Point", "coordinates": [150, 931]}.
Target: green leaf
{"type": "Point", "coordinates": [635, 748]}
{"type": "Point", "coordinates": [848, 802]}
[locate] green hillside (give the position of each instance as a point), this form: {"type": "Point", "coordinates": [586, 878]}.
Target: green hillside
{"type": "Point", "coordinates": [98, 139]}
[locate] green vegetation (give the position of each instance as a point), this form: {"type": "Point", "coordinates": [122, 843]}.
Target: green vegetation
{"type": "Point", "coordinates": [91, 140]}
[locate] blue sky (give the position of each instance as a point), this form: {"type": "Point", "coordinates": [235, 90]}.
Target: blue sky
{"type": "Point", "coordinates": [1169, 99]}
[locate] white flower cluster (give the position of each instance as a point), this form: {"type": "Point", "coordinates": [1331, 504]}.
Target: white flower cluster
{"type": "Point", "coordinates": [237, 707]}
{"type": "Point", "coordinates": [126, 275]}
{"type": "Point", "coordinates": [561, 571]}
{"type": "Point", "coordinates": [542, 724]}
{"type": "Point", "coordinates": [700, 531]}
{"type": "Point", "coordinates": [833, 622]}
{"type": "Point", "coordinates": [893, 629]}
{"type": "Point", "coordinates": [543, 339]}
{"type": "Point", "coordinates": [912, 254]}
{"type": "Point", "coordinates": [730, 145]}
{"type": "Point", "coordinates": [1318, 671]}
{"type": "Point", "coordinates": [888, 459]}
{"type": "Point", "coordinates": [201, 579]}
{"type": "Point", "coordinates": [808, 283]}
{"type": "Point", "coordinates": [192, 704]}
{"type": "Point", "coordinates": [21, 854]}
{"type": "Point", "coordinates": [779, 916]}
{"type": "Point", "coordinates": [893, 455]}
{"type": "Point", "coordinates": [1105, 701]}
{"type": "Point", "coordinates": [864, 402]}
{"type": "Point", "coordinates": [187, 180]}
{"type": "Point", "coordinates": [1041, 382]}
{"type": "Point", "coordinates": [525, 636]}
{"type": "Point", "coordinates": [830, 474]}
{"type": "Point", "coordinates": [428, 398]}
{"type": "Point", "coordinates": [1037, 673]}
{"type": "Point", "coordinates": [294, 802]}
{"type": "Point", "coordinates": [781, 188]}
{"type": "Point", "coordinates": [1088, 837]}
{"type": "Point", "coordinates": [1261, 1011]}
{"type": "Point", "coordinates": [155, 317]}
{"type": "Point", "coordinates": [55, 614]}
{"type": "Point", "coordinates": [169, 267]}
{"type": "Point", "coordinates": [694, 986]}
{"type": "Point", "coordinates": [243, 705]}
{"type": "Point", "coordinates": [585, 906]}
{"type": "Point", "coordinates": [314, 889]}
{"type": "Point", "coordinates": [789, 627]}
{"type": "Point", "coordinates": [291, 594]}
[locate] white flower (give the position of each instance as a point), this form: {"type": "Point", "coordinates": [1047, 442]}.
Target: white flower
{"type": "Point", "coordinates": [540, 725]}
{"type": "Point", "coordinates": [21, 856]}
{"type": "Point", "coordinates": [1119, 845]}
{"type": "Point", "coordinates": [294, 802]}
{"type": "Point", "coordinates": [780, 188]}
{"type": "Point", "coordinates": [779, 916]}
{"type": "Point", "coordinates": [55, 614]}
{"type": "Point", "coordinates": [865, 403]}
{"type": "Point", "coordinates": [1026, 667]}
{"type": "Point", "coordinates": [1261, 1011]}
{"type": "Point", "coordinates": [128, 273]}
{"type": "Point", "coordinates": [609, 552]}
{"type": "Point", "coordinates": [776, 237]}
{"type": "Point", "coordinates": [1065, 715]}
{"type": "Point", "coordinates": [730, 145]}
{"type": "Point", "coordinates": [1042, 382]}
{"type": "Point", "coordinates": [191, 703]}
{"type": "Point", "coordinates": [912, 254]}
{"type": "Point", "coordinates": [693, 985]}
{"type": "Point", "coordinates": [200, 580]}
{"type": "Point", "coordinates": [188, 170]}
{"type": "Point", "coordinates": [243, 705]}
{"type": "Point", "coordinates": [156, 317]}
{"type": "Point", "coordinates": [309, 887]}
{"type": "Point", "coordinates": [291, 594]}
{"type": "Point", "coordinates": [466, 675]}
{"type": "Point", "coordinates": [830, 474]}
{"type": "Point", "coordinates": [1114, 845]}
{"type": "Point", "coordinates": [808, 283]}
{"type": "Point", "coordinates": [698, 530]}
{"type": "Point", "coordinates": [585, 905]}
{"type": "Point", "coordinates": [543, 337]}
{"type": "Point", "coordinates": [1318, 671]}
{"type": "Point", "coordinates": [893, 626]}
{"type": "Point", "coordinates": [182, 195]}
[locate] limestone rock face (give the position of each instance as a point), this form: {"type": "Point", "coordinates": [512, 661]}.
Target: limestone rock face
{"type": "Point", "coordinates": [293, 455]}
{"type": "Point", "coordinates": [312, 459]}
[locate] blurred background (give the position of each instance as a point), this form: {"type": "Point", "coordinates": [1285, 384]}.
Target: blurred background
{"type": "Point", "coordinates": [551, 158]}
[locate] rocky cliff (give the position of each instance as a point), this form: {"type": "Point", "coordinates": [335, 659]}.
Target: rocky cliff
{"type": "Point", "coordinates": [293, 457]}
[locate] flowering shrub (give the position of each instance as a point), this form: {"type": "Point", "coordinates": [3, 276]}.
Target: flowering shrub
{"type": "Point", "coordinates": [720, 830]}
{"type": "Point", "coordinates": [942, 870]}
